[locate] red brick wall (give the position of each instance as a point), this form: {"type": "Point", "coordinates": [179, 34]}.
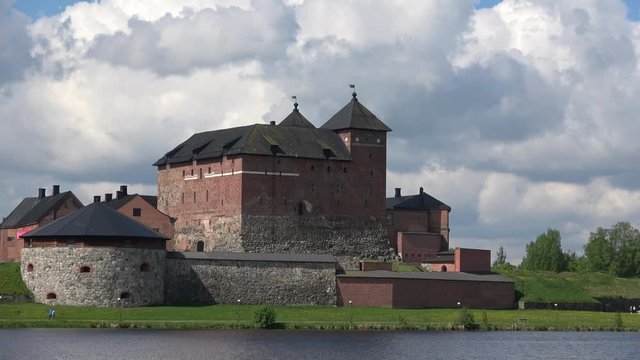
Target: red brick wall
{"type": "Point", "coordinates": [424, 293]}
{"type": "Point", "coordinates": [473, 260]}
{"type": "Point", "coordinates": [374, 265]}
{"type": "Point", "coordinates": [364, 292]}
{"type": "Point", "coordinates": [150, 217]}
{"type": "Point", "coordinates": [414, 247]}
{"type": "Point", "coordinates": [433, 221]}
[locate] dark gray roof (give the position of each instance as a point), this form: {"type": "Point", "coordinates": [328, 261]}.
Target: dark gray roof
{"type": "Point", "coordinates": [118, 203]}
{"type": "Point", "coordinates": [355, 116]}
{"type": "Point", "coordinates": [243, 256]}
{"type": "Point", "coordinates": [422, 201]}
{"type": "Point", "coordinates": [445, 276]}
{"type": "Point", "coordinates": [296, 119]}
{"type": "Point", "coordinates": [13, 220]}
{"type": "Point", "coordinates": [260, 139]}
{"type": "Point", "coordinates": [33, 209]}
{"type": "Point", "coordinates": [95, 220]}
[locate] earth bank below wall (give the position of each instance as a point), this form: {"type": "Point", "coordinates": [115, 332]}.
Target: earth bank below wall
{"type": "Point", "coordinates": [225, 281]}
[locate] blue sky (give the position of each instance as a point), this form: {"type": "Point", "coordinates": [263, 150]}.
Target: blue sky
{"type": "Point", "coordinates": [38, 8]}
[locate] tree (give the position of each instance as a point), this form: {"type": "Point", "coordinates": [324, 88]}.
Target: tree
{"type": "Point", "coordinates": [501, 257]}
{"type": "Point", "coordinates": [545, 253]}
{"type": "Point", "coordinates": [615, 250]}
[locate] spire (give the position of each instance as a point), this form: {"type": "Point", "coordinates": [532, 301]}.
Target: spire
{"type": "Point", "coordinates": [354, 115]}
{"type": "Point", "coordinates": [296, 118]}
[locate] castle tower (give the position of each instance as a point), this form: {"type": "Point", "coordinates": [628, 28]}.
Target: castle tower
{"type": "Point", "coordinates": [366, 138]}
{"type": "Point", "coordinates": [95, 257]}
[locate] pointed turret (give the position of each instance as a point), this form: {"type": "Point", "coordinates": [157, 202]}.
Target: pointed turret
{"type": "Point", "coordinates": [354, 115]}
{"type": "Point", "coordinates": [296, 119]}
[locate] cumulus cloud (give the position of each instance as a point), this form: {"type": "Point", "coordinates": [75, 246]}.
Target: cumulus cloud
{"type": "Point", "coordinates": [521, 116]}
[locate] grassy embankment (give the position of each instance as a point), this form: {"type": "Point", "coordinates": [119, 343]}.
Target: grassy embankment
{"type": "Point", "coordinates": [544, 287]}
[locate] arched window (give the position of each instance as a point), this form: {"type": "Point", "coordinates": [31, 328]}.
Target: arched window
{"type": "Point", "coordinates": [200, 246]}
{"type": "Point", "coordinates": [145, 267]}
{"type": "Point", "coordinates": [51, 296]}
{"type": "Point", "coordinates": [30, 268]}
{"type": "Point", "coordinates": [85, 269]}
{"type": "Point", "coordinates": [443, 268]}
{"type": "Point", "coordinates": [125, 295]}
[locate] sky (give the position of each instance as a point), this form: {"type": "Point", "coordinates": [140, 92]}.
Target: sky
{"type": "Point", "coordinates": [520, 115]}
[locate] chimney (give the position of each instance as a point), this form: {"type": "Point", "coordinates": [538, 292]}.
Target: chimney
{"type": "Point", "coordinates": [123, 188]}
{"type": "Point", "coordinates": [421, 190]}
{"type": "Point", "coordinates": [272, 122]}
{"type": "Point", "coordinates": [42, 193]}
{"type": "Point", "coordinates": [108, 197]}
{"type": "Point", "coordinates": [119, 195]}
{"type": "Point", "coordinates": [96, 198]}
{"type": "Point", "coordinates": [398, 192]}
{"type": "Point", "coordinates": [56, 189]}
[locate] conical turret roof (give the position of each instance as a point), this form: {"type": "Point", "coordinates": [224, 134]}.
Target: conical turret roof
{"type": "Point", "coordinates": [296, 119]}
{"type": "Point", "coordinates": [355, 116]}
{"type": "Point", "coordinates": [95, 220]}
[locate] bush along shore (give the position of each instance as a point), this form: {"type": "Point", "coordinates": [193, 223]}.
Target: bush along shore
{"type": "Point", "coordinates": [31, 315]}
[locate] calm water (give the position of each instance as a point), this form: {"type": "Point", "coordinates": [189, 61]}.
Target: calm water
{"type": "Point", "coordinates": [213, 344]}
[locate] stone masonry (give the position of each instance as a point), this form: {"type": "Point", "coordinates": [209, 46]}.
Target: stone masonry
{"type": "Point", "coordinates": [94, 276]}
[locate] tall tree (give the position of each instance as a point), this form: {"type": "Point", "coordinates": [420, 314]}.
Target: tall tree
{"type": "Point", "coordinates": [501, 257]}
{"type": "Point", "coordinates": [545, 253]}
{"type": "Point", "coordinates": [615, 250]}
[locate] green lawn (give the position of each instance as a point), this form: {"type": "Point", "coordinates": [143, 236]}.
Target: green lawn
{"type": "Point", "coordinates": [307, 317]}
{"type": "Point", "coordinates": [568, 287]}
{"type": "Point", "coordinates": [10, 280]}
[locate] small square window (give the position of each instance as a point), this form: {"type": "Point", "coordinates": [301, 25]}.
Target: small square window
{"type": "Point", "coordinates": [10, 238]}
{"type": "Point", "coordinates": [137, 212]}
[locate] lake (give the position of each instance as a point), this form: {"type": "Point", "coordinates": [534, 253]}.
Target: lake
{"type": "Point", "coordinates": [35, 344]}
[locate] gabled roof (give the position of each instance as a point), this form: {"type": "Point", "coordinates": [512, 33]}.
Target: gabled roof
{"type": "Point", "coordinates": [296, 119]}
{"type": "Point", "coordinates": [260, 139]}
{"type": "Point", "coordinates": [95, 220]}
{"type": "Point", "coordinates": [422, 201]}
{"type": "Point", "coordinates": [355, 116]}
{"type": "Point", "coordinates": [32, 209]}
{"type": "Point", "coordinates": [118, 203]}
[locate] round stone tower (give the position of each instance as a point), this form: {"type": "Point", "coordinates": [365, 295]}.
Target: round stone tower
{"type": "Point", "coordinates": [95, 256]}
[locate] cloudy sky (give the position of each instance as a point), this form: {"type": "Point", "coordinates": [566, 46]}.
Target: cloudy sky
{"type": "Point", "coordinates": [521, 115]}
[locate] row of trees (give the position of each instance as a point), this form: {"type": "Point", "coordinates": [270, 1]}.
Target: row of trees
{"type": "Point", "coordinates": [615, 250]}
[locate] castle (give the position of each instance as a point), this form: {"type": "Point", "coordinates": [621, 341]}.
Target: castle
{"type": "Point", "coordinates": [280, 213]}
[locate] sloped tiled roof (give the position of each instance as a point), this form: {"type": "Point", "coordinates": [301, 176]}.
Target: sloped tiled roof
{"type": "Point", "coordinates": [118, 203]}
{"type": "Point", "coordinates": [422, 201]}
{"type": "Point", "coordinates": [296, 119]}
{"type": "Point", "coordinates": [260, 139]}
{"type": "Point", "coordinates": [32, 209]}
{"type": "Point", "coordinates": [355, 116]}
{"type": "Point", "coordinates": [19, 212]}
{"type": "Point", "coordinates": [95, 220]}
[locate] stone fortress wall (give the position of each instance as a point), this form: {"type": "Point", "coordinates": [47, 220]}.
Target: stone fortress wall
{"type": "Point", "coordinates": [230, 278]}
{"type": "Point", "coordinates": [95, 276]}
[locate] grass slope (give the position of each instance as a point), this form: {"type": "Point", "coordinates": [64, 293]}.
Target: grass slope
{"type": "Point", "coordinates": [11, 281]}
{"type": "Point", "coordinates": [568, 287]}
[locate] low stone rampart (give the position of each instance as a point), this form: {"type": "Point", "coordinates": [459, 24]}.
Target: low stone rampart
{"type": "Point", "coordinates": [225, 278]}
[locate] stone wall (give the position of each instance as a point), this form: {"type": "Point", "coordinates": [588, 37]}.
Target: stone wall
{"type": "Point", "coordinates": [346, 238]}
{"type": "Point", "coordinates": [112, 273]}
{"type": "Point", "coordinates": [210, 278]}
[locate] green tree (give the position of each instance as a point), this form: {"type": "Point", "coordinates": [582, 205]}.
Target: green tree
{"type": "Point", "coordinates": [501, 257]}
{"type": "Point", "coordinates": [615, 250]}
{"type": "Point", "coordinates": [545, 253]}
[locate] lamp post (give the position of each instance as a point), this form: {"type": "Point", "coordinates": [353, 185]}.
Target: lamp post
{"type": "Point", "coordinates": [555, 306]}
{"type": "Point", "coordinates": [238, 312]}
{"type": "Point", "coordinates": [120, 309]}
{"type": "Point", "coordinates": [350, 312]}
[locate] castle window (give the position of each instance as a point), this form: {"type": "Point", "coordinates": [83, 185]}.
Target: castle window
{"type": "Point", "coordinates": [338, 189]}
{"type": "Point", "coordinates": [10, 238]}
{"type": "Point", "coordinates": [300, 208]}
{"type": "Point", "coordinates": [200, 173]}
{"type": "Point", "coordinates": [312, 167]}
{"type": "Point", "coordinates": [184, 173]}
{"type": "Point", "coordinates": [209, 169]}
{"type": "Point", "coordinates": [370, 156]}
{"type": "Point", "coordinates": [85, 269]}
{"type": "Point", "coordinates": [145, 267]}
{"type": "Point", "coordinates": [191, 172]}
{"type": "Point", "coordinates": [30, 268]}
{"type": "Point", "coordinates": [200, 246]}
{"type": "Point", "coordinates": [328, 168]}
{"type": "Point", "coordinates": [371, 172]}
{"type": "Point", "coordinates": [137, 212]}
{"type": "Point", "coordinates": [443, 268]}
{"type": "Point", "coordinates": [51, 296]}
{"type": "Point", "coordinates": [125, 295]}
{"type": "Point", "coordinates": [344, 170]}
{"type": "Point", "coordinates": [194, 196]}
{"type": "Point", "coordinates": [207, 196]}
{"type": "Point", "coordinates": [221, 202]}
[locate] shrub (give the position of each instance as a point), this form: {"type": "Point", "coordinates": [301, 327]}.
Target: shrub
{"type": "Point", "coordinates": [264, 317]}
{"type": "Point", "coordinates": [485, 321]}
{"type": "Point", "coordinates": [466, 319]}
